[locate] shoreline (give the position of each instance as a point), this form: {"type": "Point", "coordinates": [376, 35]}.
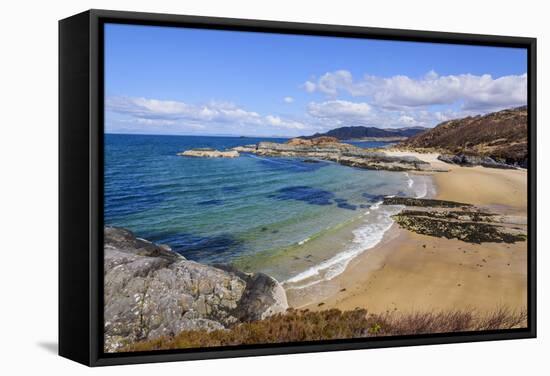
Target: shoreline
{"type": "Point", "coordinates": [407, 272]}
{"type": "Point", "coordinates": [327, 254]}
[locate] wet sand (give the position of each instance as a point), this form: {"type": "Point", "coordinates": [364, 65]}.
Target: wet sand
{"type": "Point", "coordinates": [409, 272]}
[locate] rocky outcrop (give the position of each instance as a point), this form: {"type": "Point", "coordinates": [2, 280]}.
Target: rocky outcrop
{"type": "Point", "coordinates": [151, 291]}
{"type": "Point", "coordinates": [423, 202]}
{"type": "Point", "coordinates": [313, 141]}
{"type": "Point", "coordinates": [209, 153]}
{"type": "Point", "coordinates": [455, 220]}
{"type": "Point", "coordinates": [472, 160]}
{"type": "Point", "coordinates": [342, 153]}
{"type": "Point", "coordinates": [323, 148]}
{"type": "Point", "coordinates": [245, 148]}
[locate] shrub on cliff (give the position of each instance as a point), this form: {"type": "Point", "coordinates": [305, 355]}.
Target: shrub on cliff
{"type": "Point", "coordinates": [304, 325]}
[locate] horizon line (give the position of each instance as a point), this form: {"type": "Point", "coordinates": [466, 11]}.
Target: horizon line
{"type": "Point", "coordinates": [196, 135]}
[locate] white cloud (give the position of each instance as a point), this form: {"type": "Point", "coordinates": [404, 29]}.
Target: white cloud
{"type": "Point", "coordinates": [408, 120]}
{"type": "Point", "coordinates": [166, 112]}
{"type": "Point", "coordinates": [288, 99]}
{"type": "Point", "coordinates": [335, 113]}
{"type": "Point", "coordinates": [331, 83]}
{"type": "Point", "coordinates": [473, 92]}
{"type": "Point", "coordinates": [339, 109]}
{"type": "Point", "coordinates": [276, 121]}
{"type": "Point", "coordinates": [309, 86]}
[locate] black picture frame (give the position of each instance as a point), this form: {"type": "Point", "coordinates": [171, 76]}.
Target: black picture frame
{"type": "Point", "coordinates": [81, 185]}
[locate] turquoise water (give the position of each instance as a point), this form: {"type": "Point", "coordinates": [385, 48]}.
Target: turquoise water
{"type": "Point", "coordinates": [220, 210]}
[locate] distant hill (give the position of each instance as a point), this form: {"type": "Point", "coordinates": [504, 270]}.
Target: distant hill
{"type": "Point", "coordinates": [500, 135]}
{"type": "Point", "coordinates": [360, 132]}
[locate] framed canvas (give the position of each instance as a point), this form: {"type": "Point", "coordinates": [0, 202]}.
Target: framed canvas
{"type": "Point", "coordinates": [235, 187]}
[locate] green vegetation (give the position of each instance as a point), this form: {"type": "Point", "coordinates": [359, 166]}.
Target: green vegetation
{"type": "Point", "coordinates": [305, 325]}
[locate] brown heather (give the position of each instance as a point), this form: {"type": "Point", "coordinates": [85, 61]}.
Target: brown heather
{"type": "Point", "coordinates": [305, 325]}
{"type": "Point", "coordinates": [501, 135]}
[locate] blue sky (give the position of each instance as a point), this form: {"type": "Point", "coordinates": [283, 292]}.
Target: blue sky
{"type": "Point", "coordinates": [162, 80]}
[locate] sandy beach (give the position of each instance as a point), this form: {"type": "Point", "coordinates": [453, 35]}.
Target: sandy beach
{"type": "Point", "coordinates": [409, 272]}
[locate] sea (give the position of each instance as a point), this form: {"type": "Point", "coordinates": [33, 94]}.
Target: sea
{"type": "Point", "coordinates": [300, 221]}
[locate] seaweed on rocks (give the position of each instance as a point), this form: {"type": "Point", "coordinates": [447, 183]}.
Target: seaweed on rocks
{"type": "Point", "coordinates": [423, 202]}
{"type": "Point", "coordinates": [454, 220]}
{"type": "Point", "coordinates": [462, 215]}
{"type": "Point", "coordinates": [451, 226]}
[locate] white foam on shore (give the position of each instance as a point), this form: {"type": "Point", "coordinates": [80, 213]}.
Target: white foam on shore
{"type": "Point", "coordinates": [377, 221]}
{"type": "Point", "coordinates": [304, 241]}
{"type": "Point", "coordinates": [410, 181]}
{"type": "Point", "coordinates": [364, 238]}
{"type": "Point", "coordinates": [420, 185]}
{"type": "Point", "coordinates": [422, 191]}
{"type": "Point", "coordinates": [376, 205]}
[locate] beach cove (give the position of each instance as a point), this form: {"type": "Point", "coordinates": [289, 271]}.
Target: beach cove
{"type": "Point", "coordinates": [316, 224]}
{"type": "Point", "coordinates": [408, 272]}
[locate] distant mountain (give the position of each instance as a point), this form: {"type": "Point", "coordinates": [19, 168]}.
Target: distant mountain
{"type": "Point", "coordinates": [360, 132]}
{"type": "Point", "coordinates": [500, 135]}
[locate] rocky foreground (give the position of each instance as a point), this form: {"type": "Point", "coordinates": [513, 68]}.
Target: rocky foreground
{"type": "Point", "coordinates": [151, 292]}
{"type": "Point", "coordinates": [328, 149]}
{"type": "Point", "coordinates": [456, 220]}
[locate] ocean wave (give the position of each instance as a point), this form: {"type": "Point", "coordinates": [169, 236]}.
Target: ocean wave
{"type": "Point", "coordinates": [364, 238]}
{"type": "Point", "coordinates": [420, 185]}
{"type": "Point", "coordinates": [410, 181]}
{"type": "Point", "coordinates": [376, 205]}
{"type": "Point", "coordinates": [304, 241]}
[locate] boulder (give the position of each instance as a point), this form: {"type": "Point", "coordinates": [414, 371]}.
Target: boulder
{"type": "Point", "coordinates": [151, 291]}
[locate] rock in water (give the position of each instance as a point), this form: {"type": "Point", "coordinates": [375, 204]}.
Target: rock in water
{"type": "Point", "coordinates": [151, 291]}
{"type": "Point", "coordinates": [209, 153]}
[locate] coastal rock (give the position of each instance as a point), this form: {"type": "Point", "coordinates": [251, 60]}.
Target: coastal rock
{"type": "Point", "coordinates": [423, 202]}
{"type": "Point", "coordinates": [472, 160]}
{"type": "Point", "coordinates": [245, 148]}
{"type": "Point", "coordinates": [456, 220]}
{"type": "Point", "coordinates": [151, 291]}
{"type": "Point", "coordinates": [323, 148]}
{"type": "Point", "coordinates": [342, 153]}
{"type": "Point", "coordinates": [209, 153]}
{"type": "Point", "coordinates": [451, 226]}
{"type": "Point", "coordinates": [312, 141]}
{"type": "Point", "coordinates": [263, 296]}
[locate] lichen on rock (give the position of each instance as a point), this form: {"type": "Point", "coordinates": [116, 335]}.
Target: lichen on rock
{"type": "Point", "coordinates": [151, 291]}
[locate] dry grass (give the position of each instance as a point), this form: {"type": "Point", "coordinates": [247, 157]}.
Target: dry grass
{"type": "Point", "coordinates": [304, 325]}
